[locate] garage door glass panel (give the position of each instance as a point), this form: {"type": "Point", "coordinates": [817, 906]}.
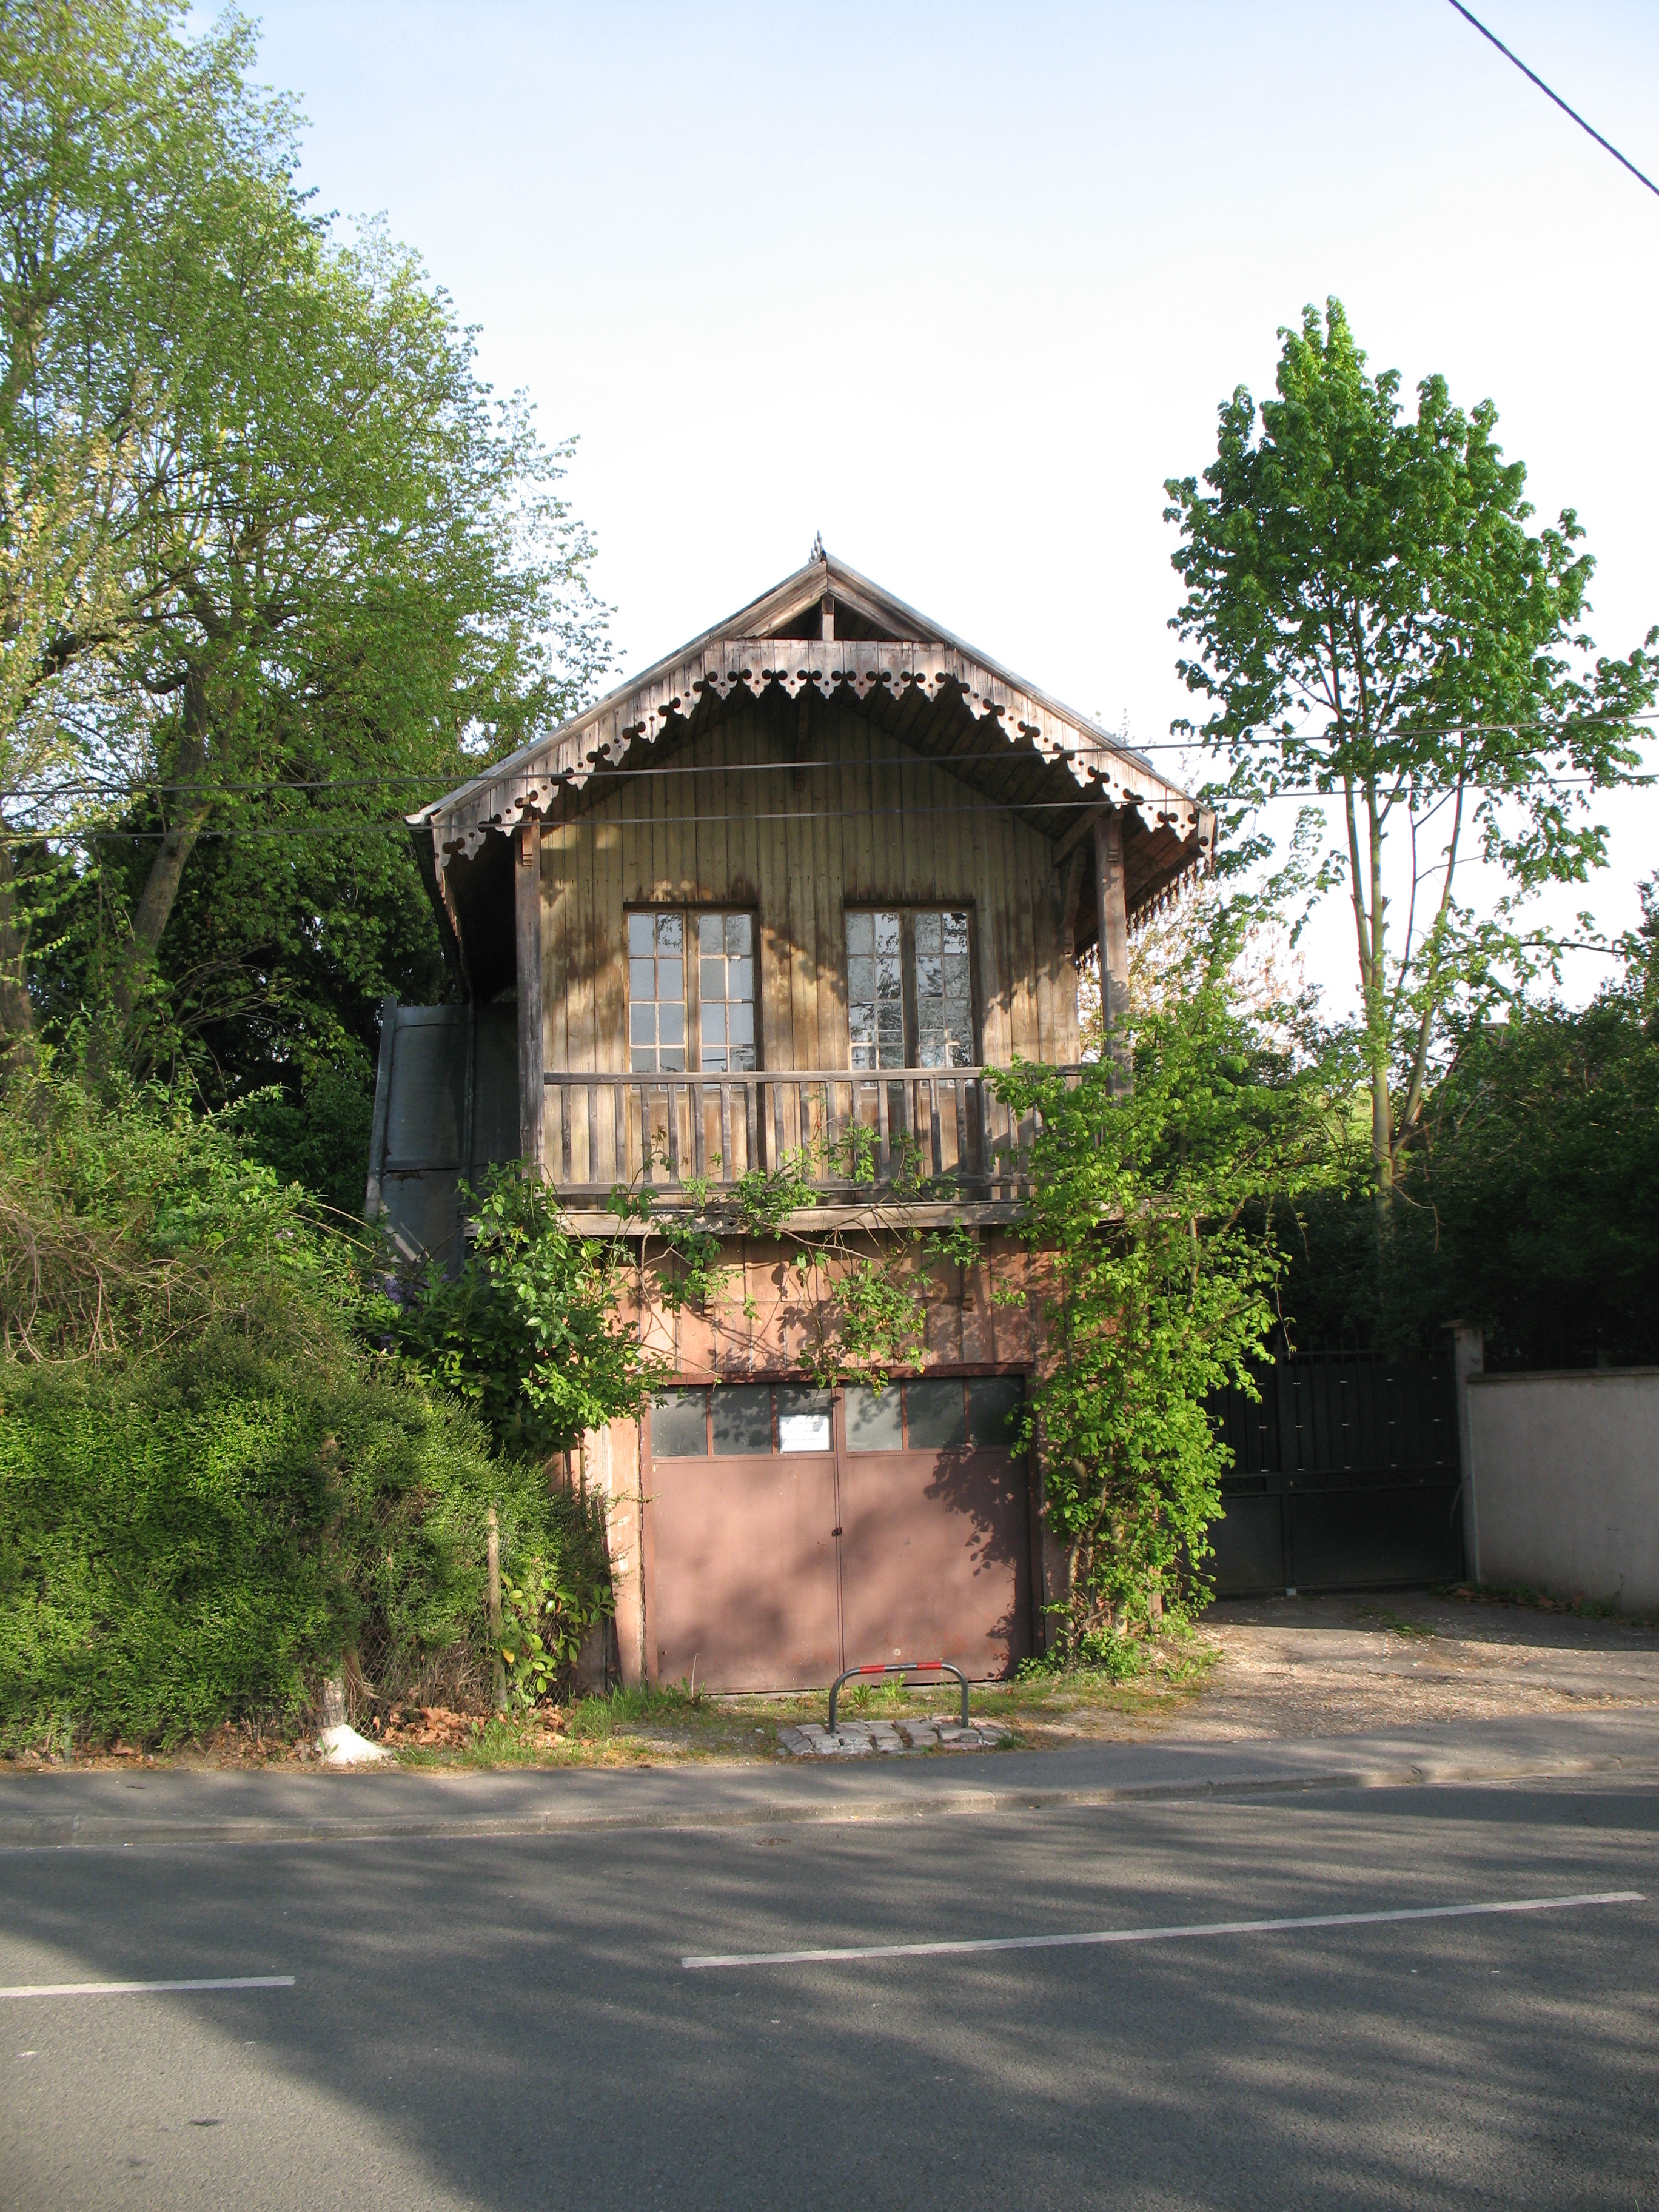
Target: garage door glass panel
{"type": "Point", "coordinates": [803, 1419]}
{"type": "Point", "coordinates": [934, 1416]}
{"type": "Point", "coordinates": [743, 1417]}
{"type": "Point", "coordinates": [679, 1425]}
{"type": "Point", "coordinates": [875, 1419]}
{"type": "Point", "coordinates": [995, 1403]}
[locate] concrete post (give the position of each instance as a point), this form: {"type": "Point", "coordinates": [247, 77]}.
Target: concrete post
{"type": "Point", "coordinates": [1469, 1357]}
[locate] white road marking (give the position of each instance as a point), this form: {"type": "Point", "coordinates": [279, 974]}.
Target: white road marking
{"type": "Point", "coordinates": [135, 1989]}
{"type": "Point", "coordinates": [1158, 1935]}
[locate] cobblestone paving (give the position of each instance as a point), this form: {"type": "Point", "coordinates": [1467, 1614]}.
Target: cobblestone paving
{"type": "Point", "coordinates": [860, 1739]}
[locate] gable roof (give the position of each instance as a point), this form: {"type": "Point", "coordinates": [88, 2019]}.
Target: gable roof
{"type": "Point", "coordinates": [920, 684]}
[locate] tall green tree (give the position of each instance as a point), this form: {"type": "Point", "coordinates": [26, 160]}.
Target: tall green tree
{"type": "Point", "coordinates": [1372, 619]}
{"type": "Point", "coordinates": [340, 558]}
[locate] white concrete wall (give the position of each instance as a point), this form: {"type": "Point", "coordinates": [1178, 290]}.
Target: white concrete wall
{"type": "Point", "coordinates": [1563, 1483]}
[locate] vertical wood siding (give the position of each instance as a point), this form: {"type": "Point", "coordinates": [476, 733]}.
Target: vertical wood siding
{"type": "Point", "coordinates": [865, 834]}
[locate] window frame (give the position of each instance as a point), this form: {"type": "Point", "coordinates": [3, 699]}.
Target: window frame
{"type": "Point", "coordinates": [903, 1384]}
{"type": "Point", "coordinates": [689, 917]}
{"type": "Point", "coordinates": [908, 911]}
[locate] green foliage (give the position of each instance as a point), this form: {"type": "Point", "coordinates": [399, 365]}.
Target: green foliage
{"type": "Point", "coordinates": [201, 1536]}
{"type": "Point", "coordinates": [1530, 1202]}
{"type": "Point", "coordinates": [1154, 1209]}
{"type": "Point", "coordinates": [128, 1225]}
{"type": "Point", "coordinates": [531, 1331]}
{"type": "Point", "coordinates": [1374, 619]}
{"type": "Point", "coordinates": [555, 1599]}
{"type": "Point", "coordinates": [330, 567]}
{"type": "Point", "coordinates": [209, 1491]}
{"type": "Point", "coordinates": [864, 1295]}
{"type": "Point", "coordinates": [320, 1140]}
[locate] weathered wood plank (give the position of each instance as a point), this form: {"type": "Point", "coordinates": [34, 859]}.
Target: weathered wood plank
{"type": "Point", "coordinates": [527, 949]}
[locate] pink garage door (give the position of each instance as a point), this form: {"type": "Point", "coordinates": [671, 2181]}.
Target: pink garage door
{"type": "Point", "coordinates": [792, 1532]}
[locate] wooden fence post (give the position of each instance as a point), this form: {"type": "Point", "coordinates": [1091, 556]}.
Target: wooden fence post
{"type": "Point", "coordinates": [497, 1671]}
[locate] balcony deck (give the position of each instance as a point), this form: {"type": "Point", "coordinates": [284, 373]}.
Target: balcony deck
{"type": "Point", "coordinates": [866, 1147]}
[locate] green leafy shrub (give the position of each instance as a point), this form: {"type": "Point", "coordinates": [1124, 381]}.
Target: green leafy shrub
{"type": "Point", "coordinates": [195, 1540]}
{"type": "Point", "coordinates": [531, 1331]}
{"type": "Point", "coordinates": [211, 1491]}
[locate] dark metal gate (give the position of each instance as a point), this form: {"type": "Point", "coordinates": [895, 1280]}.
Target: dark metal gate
{"type": "Point", "coordinates": [1345, 1476]}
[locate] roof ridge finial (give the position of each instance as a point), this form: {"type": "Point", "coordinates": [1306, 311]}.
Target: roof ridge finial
{"type": "Point", "coordinates": [818, 553]}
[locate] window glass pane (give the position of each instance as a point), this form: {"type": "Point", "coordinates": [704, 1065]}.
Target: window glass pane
{"type": "Point", "coordinates": [803, 1419]}
{"type": "Point", "coordinates": [671, 1057]}
{"type": "Point", "coordinates": [711, 979]}
{"type": "Point", "coordinates": [671, 1023]}
{"type": "Point", "coordinates": [739, 936]}
{"type": "Point", "coordinates": [641, 979]}
{"type": "Point", "coordinates": [740, 1025]}
{"type": "Point", "coordinates": [860, 982]}
{"type": "Point", "coordinates": [858, 936]}
{"type": "Point", "coordinates": [740, 978]}
{"type": "Point", "coordinates": [929, 930]}
{"type": "Point", "coordinates": [874, 1420]}
{"type": "Point", "coordinates": [670, 979]}
{"type": "Point", "coordinates": [934, 1416]}
{"type": "Point", "coordinates": [955, 934]}
{"type": "Point", "coordinates": [709, 933]}
{"type": "Point", "coordinates": [670, 933]}
{"type": "Point", "coordinates": [642, 1025]}
{"type": "Point", "coordinates": [640, 934]}
{"type": "Point", "coordinates": [995, 1403]}
{"type": "Point", "coordinates": [887, 932]}
{"type": "Point", "coordinates": [713, 1029]}
{"type": "Point", "coordinates": [743, 1417]}
{"type": "Point", "coordinates": [678, 1429]}
{"type": "Point", "coordinates": [642, 1061]}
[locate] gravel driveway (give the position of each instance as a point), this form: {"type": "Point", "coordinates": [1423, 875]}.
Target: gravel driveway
{"type": "Point", "coordinates": [1339, 1665]}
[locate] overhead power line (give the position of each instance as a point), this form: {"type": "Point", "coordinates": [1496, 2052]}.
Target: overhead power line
{"type": "Point", "coordinates": [92, 832]}
{"type": "Point", "coordinates": [1195, 747]}
{"type": "Point", "coordinates": [1550, 94]}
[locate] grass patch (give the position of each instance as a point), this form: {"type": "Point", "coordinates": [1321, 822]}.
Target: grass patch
{"type": "Point", "coordinates": [1397, 1624]}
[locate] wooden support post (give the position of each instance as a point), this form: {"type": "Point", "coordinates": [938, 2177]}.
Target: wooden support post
{"type": "Point", "coordinates": [497, 1671]}
{"type": "Point", "coordinates": [1114, 919]}
{"type": "Point", "coordinates": [527, 931]}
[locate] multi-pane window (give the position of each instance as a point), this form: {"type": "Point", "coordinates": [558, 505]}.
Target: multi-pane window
{"type": "Point", "coordinates": [981, 1413]}
{"type": "Point", "coordinates": [910, 988]}
{"type": "Point", "coordinates": [945, 1006]}
{"type": "Point", "coordinates": [726, 991]}
{"type": "Point", "coordinates": [875, 989]}
{"type": "Point", "coordinates": [656, 991]}
{"type": "Point", "coordinates": [690, 1013]}
{"type": "Point", "coordinates": [739, 1420]}
{"type": "Point", "coordinates": [978, 1412]}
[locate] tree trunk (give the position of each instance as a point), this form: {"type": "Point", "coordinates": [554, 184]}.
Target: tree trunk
{"type": "Point", "coordinates": [16, 1007]}
{"type": "Point", "coordinates": [160, 891]}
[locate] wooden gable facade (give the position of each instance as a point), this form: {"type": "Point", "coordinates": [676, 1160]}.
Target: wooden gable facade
{"type": "Point", "coordinates": [825, 765]}
{"type": "Point", "coordinates": [802, 884]}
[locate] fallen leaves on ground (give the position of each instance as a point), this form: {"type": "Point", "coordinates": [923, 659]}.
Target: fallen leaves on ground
{"type": "Point", "coordinates": [440, 1728]}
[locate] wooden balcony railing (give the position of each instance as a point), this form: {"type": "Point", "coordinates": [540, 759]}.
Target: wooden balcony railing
{"type": "Point", "coordinates": [852, 1134]}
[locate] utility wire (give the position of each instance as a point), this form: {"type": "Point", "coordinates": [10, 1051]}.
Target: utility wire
{"type": "Point", "coordinates": [818, 766]}
{"type": "Point", "coordinates": [1549, 94]}
{"type": "Point", "coordinates": [92, 832]}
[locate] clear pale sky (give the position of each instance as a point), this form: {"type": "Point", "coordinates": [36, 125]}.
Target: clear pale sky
{"type": "Point", "coordinates": [960, 285]}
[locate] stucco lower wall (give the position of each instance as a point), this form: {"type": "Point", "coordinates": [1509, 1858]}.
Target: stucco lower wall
{"type": "Point", "coordinates": [1564, 1476]}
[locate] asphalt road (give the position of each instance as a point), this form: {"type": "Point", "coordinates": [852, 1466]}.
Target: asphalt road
{"type": "Point", "coordinates": [507, 2021]}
